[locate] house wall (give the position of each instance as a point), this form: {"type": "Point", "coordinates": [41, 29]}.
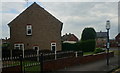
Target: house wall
{"type": "Point", "coordinates": [45, 29]}
{"type": "Point", "coordinates": [101, 42]}
{"type": "Point", "coordinates": [117, 38]}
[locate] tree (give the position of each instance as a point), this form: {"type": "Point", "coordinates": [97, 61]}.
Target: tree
{"type": "Point", "coordinates": [5, 45]}
{"type": "Point", "coordinates": [88, 34]}
{"type": "Point", "coordinates": [88, 42]}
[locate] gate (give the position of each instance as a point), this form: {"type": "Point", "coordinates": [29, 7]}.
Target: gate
{"type": "Point", "coordinates": [31, 63]}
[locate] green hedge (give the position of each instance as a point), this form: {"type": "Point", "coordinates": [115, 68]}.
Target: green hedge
{"type": "Point", "coordinates": [88, 45]}
{"type": "Point", "coordinates": [85, 46]}
{"type": "Point", "coordinates": [70, 47]}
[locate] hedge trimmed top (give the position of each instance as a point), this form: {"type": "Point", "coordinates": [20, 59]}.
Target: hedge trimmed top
{"type": "Point", "coordinates": [88, 34]}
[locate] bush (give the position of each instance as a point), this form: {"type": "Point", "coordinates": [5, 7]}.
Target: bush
{"type": "Point", "coordinates": [71, 47]}
{"type": "Point", "coordinates": [88, 34]}
{"type": "Point", "coordinates": [98, 50]}
{"type": "Point", "coordinates": [5, 45]}
{"type": "Point", "coordinates": [88, 45]}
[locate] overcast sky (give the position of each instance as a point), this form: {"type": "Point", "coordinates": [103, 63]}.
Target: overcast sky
{"type": "Point", "coordinates": [75, 15]}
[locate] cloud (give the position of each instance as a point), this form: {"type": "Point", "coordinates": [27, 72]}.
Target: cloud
{"type": "Point", "coordinates": [11, 7]}
{"type": "Point", "coordinates": [9, 10]}
{"type": "Point", "coordinates": [78, 15]}
{"type": "Point", "coordinates": [74, 15]}
{"type": "Point", "coordinates": [61, 0]}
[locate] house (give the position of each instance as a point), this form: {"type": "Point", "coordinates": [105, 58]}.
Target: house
{"type": "Point", "coordinates": [4, 41]}
{"type": "Point", "coordinates": [113, 43]}
{"type": "Point", "coordinates": [35, 28]}
{"type": "Point", "coordinates": [69, 38]}
{"type": "Point", "coordinates": [117, 38]}
{"type": "Point", "coordinates": [101, 39]}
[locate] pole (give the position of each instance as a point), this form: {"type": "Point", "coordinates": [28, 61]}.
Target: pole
{"type": "Point", "coordinates": [55, 55]}
{"type": "Point", "coordinates": [21, 58]}
{"type": "Point", "coordinates": [38, 54]}
{"type": "Point", "coordinates": [11, 54]}
{"type": "Point", "coordinates": [41, 62]}
{"type": "Point", "coordinates": [108, 46]}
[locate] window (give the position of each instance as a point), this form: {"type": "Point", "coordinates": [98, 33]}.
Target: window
{"type": "Point", "coordinates": [53, 47]}
{"type": "Point", "coordinates": [29, 29]}
{"type": "Point", "coordinates": [19, 46]}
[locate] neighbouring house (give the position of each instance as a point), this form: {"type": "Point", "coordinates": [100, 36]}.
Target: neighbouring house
{"type": "Point", "coordinates": [113, 43]}
{"type": "Point", "coordinates": [101, 39]}
{"type": "Point", "coordinates": [69, 38]}
{"type": "Point", "coordinates": [5, 43]}
{"type": "Point", "coordinates": [117, 38]}
{"type": "Point", "coordinates": [35, 28]}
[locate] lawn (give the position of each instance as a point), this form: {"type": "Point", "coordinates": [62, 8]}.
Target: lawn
{"type": "Point", "coordinates": [32, 68]}
{"type": "Point", "coordinates": [88, 53]}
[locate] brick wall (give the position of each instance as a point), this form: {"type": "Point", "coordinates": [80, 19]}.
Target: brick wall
{"type": "Point", "coordinates": [67, 62]}
{"type": "Point", "coordinates": [14, 69]}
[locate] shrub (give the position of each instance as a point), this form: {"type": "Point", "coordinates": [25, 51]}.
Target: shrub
{"type": "Point", "coordinates": [5, 45]}
{"type": "Point", "coordinates": [88, 34]}
{"type": "Point", "coordinates": [98, 50]}
{"type": "Point", "coordinates": [71, 47]}
{"type": "Point", "coordinates": [88, 42]}
{"type": "Point", "coordinates": [88, 45]}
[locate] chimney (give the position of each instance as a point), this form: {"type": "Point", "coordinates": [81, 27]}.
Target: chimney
{"type": "Point", "coordinates": [5, 39]}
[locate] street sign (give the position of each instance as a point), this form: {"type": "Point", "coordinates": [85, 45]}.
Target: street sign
{"type": "Point", "coordinates": [108, 45]}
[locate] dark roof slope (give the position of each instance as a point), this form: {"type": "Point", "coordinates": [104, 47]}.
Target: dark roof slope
{"type": "Point", "coordinates": [118, 36]}
{"type": "Point", "coordinates": [101, 34]}
{"type": "Point", "coordinates": [69, 37]}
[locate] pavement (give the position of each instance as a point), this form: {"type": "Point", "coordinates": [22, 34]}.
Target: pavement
{"type": "Point", "coordinates": [100, 65]}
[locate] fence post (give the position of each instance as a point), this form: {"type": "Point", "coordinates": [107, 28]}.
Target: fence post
{"type": "Point", "coordinates": [21, 58]}
{"type": "Point", "coordinates": [82, 53]}
{"type": "Point", "coordinates": [41, 62]}
{"type": "Point", "coordinates": [55, 55]}
{"type": "Point", "coordinates": [76, 54]}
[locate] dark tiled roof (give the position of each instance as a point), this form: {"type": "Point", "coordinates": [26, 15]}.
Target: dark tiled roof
{"type": "Point", "coordinates": [101, 34]}
{"type": "Point", "coordinates": [117, 36]}
{"type": "Point", "coordinates": [69, 37]}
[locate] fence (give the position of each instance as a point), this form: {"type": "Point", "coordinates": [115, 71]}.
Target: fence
{"type": "Point", "coordinates": [34, 62]}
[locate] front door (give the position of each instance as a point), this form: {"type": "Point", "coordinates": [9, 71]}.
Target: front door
{"type": "Point", "coordinates": [53, 47]}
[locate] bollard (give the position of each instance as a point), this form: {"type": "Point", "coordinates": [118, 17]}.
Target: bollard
{"type": "Point", "coordinates": [76, 54]}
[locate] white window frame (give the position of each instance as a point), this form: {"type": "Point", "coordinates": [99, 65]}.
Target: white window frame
{"type": "Point", "coordinates": [28, 27]}
{"type": "Point", "coordinates": [37, 52]}
{"type": "Point", "coordinates": [18, 45]}
{"type": "Point", "coordinates": [53, 44]}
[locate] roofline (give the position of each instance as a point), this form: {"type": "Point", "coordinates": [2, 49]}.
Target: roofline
{"type": "Point", "coordinates": [29, 7]}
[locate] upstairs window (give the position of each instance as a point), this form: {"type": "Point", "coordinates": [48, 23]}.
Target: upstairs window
{"type": "Point", "coordinates": [29, 29]}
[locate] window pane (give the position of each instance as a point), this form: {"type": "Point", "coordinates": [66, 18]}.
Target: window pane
{"type": "Point", "coordinates": [16, 47]}
{"type": "Point", "coordinates": [21, 46]}
{"type": "Point", "coordinates": [53, 48]}
{"type": "Point", "coordinates": [29, 31]}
